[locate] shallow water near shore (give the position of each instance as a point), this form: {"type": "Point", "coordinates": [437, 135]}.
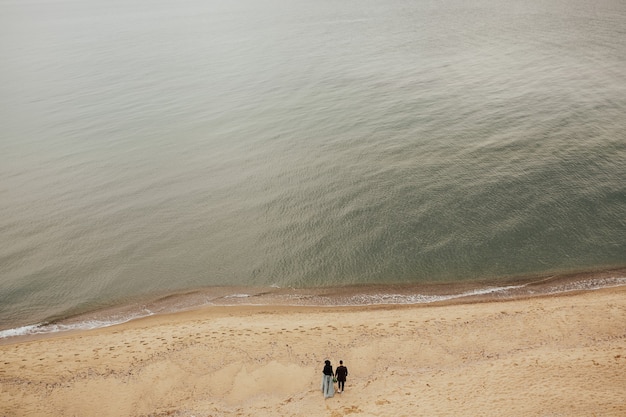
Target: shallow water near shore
{"type": "Point", "coordinates": [360, 295]}
{"type": "Point", "coordinates": [157, 149]}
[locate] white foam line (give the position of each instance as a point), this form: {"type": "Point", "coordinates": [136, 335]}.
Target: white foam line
{"type": "Point", "coordinates": [588, 285]}
{"type": "Point", "coordinates": [425, 299]}
{"type": "Point", "coordinates": [21, 331]}
{"type": "Point", "coordinates": [45, 328]}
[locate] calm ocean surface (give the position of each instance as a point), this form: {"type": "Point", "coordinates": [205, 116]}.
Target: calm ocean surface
{"type": "Point", "coordinates": [155, 147]}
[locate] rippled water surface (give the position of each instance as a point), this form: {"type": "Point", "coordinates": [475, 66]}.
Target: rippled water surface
{"type": "Point", "coordinates": [151, 147]}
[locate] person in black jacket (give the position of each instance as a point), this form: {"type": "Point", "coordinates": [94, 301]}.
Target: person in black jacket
{"type": "Point", "coordinates": [328, 387]}
{"type": "Point", "coordinates": [341, 373]}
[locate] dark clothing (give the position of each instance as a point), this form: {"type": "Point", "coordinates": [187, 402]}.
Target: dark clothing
{"type": "Point", "coordinates": [341, 373]}
{"type": "Point", "coordinates": [328, 388]}
{"type": "Point", "coordinates": [341, 385]}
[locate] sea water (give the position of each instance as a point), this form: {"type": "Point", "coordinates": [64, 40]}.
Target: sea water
{"type": "Point", "coordinates": [150, 148]}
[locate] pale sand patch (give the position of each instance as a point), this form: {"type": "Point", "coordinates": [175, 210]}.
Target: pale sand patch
{"type": "Point", "coordinates": [549, 356]}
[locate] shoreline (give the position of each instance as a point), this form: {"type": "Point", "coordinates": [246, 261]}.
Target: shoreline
{"type": "Point", "coordinates": [545, 355]}
{"type": "Point", "coordinates": [348, 296]}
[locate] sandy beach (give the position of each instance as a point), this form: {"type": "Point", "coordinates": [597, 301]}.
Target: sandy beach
{"type": "Point", "coordinates": [546, 356]}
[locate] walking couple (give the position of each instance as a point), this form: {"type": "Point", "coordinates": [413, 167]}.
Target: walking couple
{"type": "Point", "coordinates": [329, 377]}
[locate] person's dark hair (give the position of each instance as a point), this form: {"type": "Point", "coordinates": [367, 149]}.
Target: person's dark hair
{"type": "Point", "coordinates": [340, 362]}
{"type": "Point", "coordinates": [327, 362]}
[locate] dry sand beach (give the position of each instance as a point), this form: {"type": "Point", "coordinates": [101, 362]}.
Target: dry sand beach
{"type": "Point", "coordinates": [545, 356]}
